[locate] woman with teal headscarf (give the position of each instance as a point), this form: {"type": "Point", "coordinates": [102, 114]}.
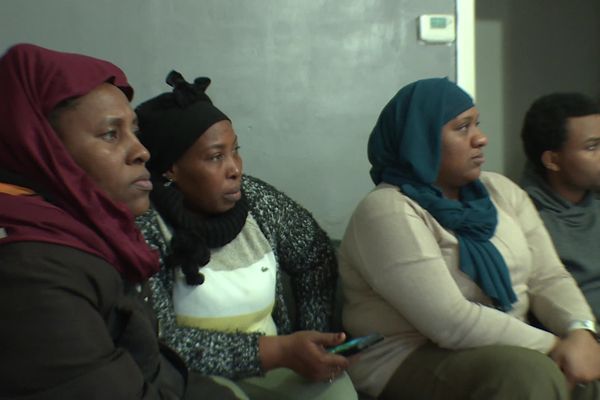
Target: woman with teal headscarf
{"type": "Point", "coordinates": [448, 262]}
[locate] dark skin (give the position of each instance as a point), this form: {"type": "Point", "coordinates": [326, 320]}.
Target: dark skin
{"type": "Point", "coordinates": [462, 153]}
{"type": "Point", "coordinates": [209, 175]}
{"type": "Point", "coordinates": [578, 356]}
{"type": "Point", "coordinates": [574, 169]}
{"type": "Point", "coordinates": [99, 130]}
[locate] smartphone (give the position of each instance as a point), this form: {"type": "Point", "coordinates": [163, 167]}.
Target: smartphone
{"type": "Point", "coordinates": [356, 345]}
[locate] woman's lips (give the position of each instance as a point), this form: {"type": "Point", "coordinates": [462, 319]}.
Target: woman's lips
{"type": "Point", "coordinates": [143, 184]}
{"type": "Point", "coordinates": [479, 159]}
{"type": "Point", "coordinates": [233, 196]}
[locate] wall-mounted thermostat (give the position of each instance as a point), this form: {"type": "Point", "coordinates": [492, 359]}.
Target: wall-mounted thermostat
{"type": "Point", "coordinates": [437, 28]}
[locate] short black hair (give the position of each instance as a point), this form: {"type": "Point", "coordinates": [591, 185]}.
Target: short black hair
{"type": "Point", "coordinates": [545, 123]}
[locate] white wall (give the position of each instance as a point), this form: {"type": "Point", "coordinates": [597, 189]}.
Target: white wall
{"type": "Point", "coordinates": [303, 81]}
{"type": "Point", "coordinates": [465, 46]}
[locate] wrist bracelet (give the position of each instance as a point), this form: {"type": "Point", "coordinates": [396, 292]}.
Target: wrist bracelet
{"type": "Point", "coordinates": [586, 324]}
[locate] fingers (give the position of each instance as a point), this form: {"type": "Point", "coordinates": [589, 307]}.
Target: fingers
{"type": "Point", "coordinates": [336, 361]}
{"type": "Point", "coordinates": [321, 370]}
{"type": "Point", "coordinates": [334, 373]}
{"type": "Point", "coordinates": [353, 359]}
{"type": "Point", "coordinates": [335, 364]}
{"type": "Point", "coordinates": [578, 356]}
{"type": "Point", "coordinates": [329, 339]}
{"type": "Point", "coordinates": [310, 358]}
{"type": "Point", "coordinates": [330, 374]}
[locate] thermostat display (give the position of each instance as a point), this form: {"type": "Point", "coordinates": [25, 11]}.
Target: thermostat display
{"type": "Point", "coordinates": [437, 28]}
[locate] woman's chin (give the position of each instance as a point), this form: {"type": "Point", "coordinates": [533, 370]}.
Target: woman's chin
{"type": "Point", "coordinates": [139, 207]}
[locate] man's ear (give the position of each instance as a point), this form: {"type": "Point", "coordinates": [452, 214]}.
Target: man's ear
{"type": "Point", "coordinates": [550, 160]}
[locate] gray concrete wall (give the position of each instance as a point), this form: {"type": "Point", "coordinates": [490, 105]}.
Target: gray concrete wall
{"type": "Point", "coordinates": [303, 81]}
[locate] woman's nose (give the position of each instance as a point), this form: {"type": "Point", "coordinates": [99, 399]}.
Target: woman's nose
{"type": "Point", "coordinates": [480, 139]}
{"type": "Point", "coordinates": [235, 167]}
{"type": "Point", "coordinates": [138, 153]}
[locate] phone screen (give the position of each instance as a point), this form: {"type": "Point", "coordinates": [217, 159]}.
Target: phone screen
{"type": "Point", "coordinates": [356, 345]}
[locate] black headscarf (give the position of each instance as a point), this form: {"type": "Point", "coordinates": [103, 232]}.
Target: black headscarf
{"type": "Point", "coordinates": [170, 124]}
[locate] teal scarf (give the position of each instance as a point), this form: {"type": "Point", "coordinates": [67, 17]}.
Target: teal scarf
{"type": "Point", "coordinates": [405, 150]}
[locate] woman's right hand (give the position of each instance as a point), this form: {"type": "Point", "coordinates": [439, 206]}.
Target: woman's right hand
{"type": "Point", "coordinates": [305, 353]}
{"type": "Point", "coordinates": [578, 356]}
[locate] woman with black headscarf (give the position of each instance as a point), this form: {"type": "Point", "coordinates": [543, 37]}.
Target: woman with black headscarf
{"type": "Point", "coordinates": [447, 262]}
{"type": "Point", "coordinates": [226, 241]}
{"type": "Point", "coordinates": [73, 265]}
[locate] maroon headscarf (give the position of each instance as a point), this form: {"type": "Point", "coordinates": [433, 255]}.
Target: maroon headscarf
{"type": "Point", "coordinates": [33, 81]}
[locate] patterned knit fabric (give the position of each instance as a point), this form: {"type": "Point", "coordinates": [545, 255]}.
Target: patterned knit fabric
{"type": "Point", "coordinates": [302, 250]}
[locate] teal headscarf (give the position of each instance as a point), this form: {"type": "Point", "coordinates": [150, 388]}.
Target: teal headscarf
{"type": "Point", "coordinates": [405, 150]}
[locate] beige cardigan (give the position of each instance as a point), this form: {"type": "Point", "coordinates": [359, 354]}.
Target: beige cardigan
{"type": "Point", "coordinates": [400, 276]}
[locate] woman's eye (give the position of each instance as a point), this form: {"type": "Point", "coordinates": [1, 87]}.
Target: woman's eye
{"type": "Point", "coordinates": [216, 157]}
{"type": "Point", "coordinates": [109, 136]}
{"type": "Point", "coordinates": [236, 149]}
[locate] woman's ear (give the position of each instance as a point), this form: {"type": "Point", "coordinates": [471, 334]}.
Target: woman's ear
{"type": "Point", "coordinates": [550, 160]}
{"type": "Point", "coordinates": [170, 174]}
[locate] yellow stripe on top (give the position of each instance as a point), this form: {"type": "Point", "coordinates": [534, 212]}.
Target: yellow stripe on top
{"type": "Point", "coordinates": [258, 321]}
{"type": "Point", "coordinates": [15, 190]}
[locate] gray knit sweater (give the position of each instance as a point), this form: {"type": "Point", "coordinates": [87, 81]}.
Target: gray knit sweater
{"type": "Point", "coordinates": [575, 231]}
{"type": "Point", "coordinates": [302, 250]}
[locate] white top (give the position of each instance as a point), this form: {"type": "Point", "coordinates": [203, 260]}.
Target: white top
{"type": "Point", "coordinates": [238, 293]}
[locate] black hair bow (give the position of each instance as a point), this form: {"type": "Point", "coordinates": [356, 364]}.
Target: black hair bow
{"type": "Point", "coordinates": [186, 93]}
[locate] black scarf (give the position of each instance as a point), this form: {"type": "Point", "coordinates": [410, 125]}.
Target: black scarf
{"type": "Point", "coordinates": [194, 234]}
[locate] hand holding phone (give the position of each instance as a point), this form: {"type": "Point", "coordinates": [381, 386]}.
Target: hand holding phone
{"type": "Point", "coordinates": [356, 345]}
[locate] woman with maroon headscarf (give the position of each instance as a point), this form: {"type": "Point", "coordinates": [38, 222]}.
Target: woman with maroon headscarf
{"type": "Point", "coordinates": [73, 266]}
